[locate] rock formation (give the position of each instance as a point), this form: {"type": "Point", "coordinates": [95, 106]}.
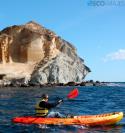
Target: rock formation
{"type": "Point", "coordinates": [38, 55]}
{"type": "Point", "coordinates": [5, 42]}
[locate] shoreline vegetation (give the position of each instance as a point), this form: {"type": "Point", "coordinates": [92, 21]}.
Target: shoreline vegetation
{"type": "Point", "coordinates": [19, 84]}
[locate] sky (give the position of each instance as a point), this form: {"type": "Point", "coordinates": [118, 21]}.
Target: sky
{"type": "Point", "coordinates": [95, 27]}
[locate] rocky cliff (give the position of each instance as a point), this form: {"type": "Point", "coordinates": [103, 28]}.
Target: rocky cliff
{"type": "Point", "coordinates": [37, 55]}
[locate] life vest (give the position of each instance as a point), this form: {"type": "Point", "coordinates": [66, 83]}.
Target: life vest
{"type": "Point", "coordinates": [40, 111]}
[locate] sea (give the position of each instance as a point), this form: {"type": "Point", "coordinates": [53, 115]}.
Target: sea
{"type": "Point", "coordinates": [20, 101]}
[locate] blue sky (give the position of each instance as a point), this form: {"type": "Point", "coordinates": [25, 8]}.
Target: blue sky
{"type": "Point", "coordinates": [97, 31]}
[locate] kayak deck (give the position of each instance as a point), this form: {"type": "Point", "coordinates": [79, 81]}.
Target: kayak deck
{"type": "Point", "coordinates": [86, 120]}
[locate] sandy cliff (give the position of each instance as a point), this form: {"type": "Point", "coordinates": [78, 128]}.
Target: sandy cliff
{"type": "Point", "coordinates": [37, 55]}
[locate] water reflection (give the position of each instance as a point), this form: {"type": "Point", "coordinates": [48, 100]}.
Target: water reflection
{"type": "Point", "coordinates": [82, 129]}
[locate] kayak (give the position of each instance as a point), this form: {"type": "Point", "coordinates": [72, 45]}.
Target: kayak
{"type": "Point", "coordinates": [86, 120]}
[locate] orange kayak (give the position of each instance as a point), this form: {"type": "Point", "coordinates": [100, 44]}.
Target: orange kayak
{"type": "Point", "coordinates": [86, 120]}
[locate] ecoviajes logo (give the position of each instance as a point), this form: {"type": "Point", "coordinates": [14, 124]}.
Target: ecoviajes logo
{"type": "Point", "coordinates": [106, 3]}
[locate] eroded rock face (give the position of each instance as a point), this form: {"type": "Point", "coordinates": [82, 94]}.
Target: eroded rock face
{"type": "Point", "coordinates": [61, 69]}
{"type": "Point", "coordinates": [35, 52]}
{"type": "Point", "coordinates": [5, 44]}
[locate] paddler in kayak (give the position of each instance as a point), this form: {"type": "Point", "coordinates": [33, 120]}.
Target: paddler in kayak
{"type": "Point", "coordinates": [43, 107]}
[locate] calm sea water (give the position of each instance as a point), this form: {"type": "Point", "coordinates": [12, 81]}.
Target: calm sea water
{"type": "Point", "coordinates": [91, 100]}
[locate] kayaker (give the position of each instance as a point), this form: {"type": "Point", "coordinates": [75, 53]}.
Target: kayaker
{"type": "Point", "coordinates": [43, 107]}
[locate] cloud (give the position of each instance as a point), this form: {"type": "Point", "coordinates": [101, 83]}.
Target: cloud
{"type": "Point", "coordinates": [118, 55]}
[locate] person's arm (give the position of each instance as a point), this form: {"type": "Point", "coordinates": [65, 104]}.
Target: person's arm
{"type": "Point", "coordinates": [49, 105]}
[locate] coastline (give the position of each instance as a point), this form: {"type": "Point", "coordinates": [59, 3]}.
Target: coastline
{"type": "Point", "coordinates": [29, 84]}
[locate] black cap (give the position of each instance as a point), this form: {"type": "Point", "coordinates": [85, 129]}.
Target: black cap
{"type": "Point", "coordinates": [45, 96]}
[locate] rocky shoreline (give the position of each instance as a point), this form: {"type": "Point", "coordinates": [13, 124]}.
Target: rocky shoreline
{"type": "Point", "coordinates": [19, 84]}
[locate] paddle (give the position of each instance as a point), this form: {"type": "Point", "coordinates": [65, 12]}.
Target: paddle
{"type": "Point", "coordinates": [74, 93]}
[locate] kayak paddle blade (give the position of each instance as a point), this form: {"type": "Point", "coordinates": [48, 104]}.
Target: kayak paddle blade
{"type": "Point", "coordinates": [74, 93]}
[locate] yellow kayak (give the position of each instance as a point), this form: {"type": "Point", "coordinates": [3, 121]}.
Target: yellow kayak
{"type": "Point", "coordinates": [86, 120]}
